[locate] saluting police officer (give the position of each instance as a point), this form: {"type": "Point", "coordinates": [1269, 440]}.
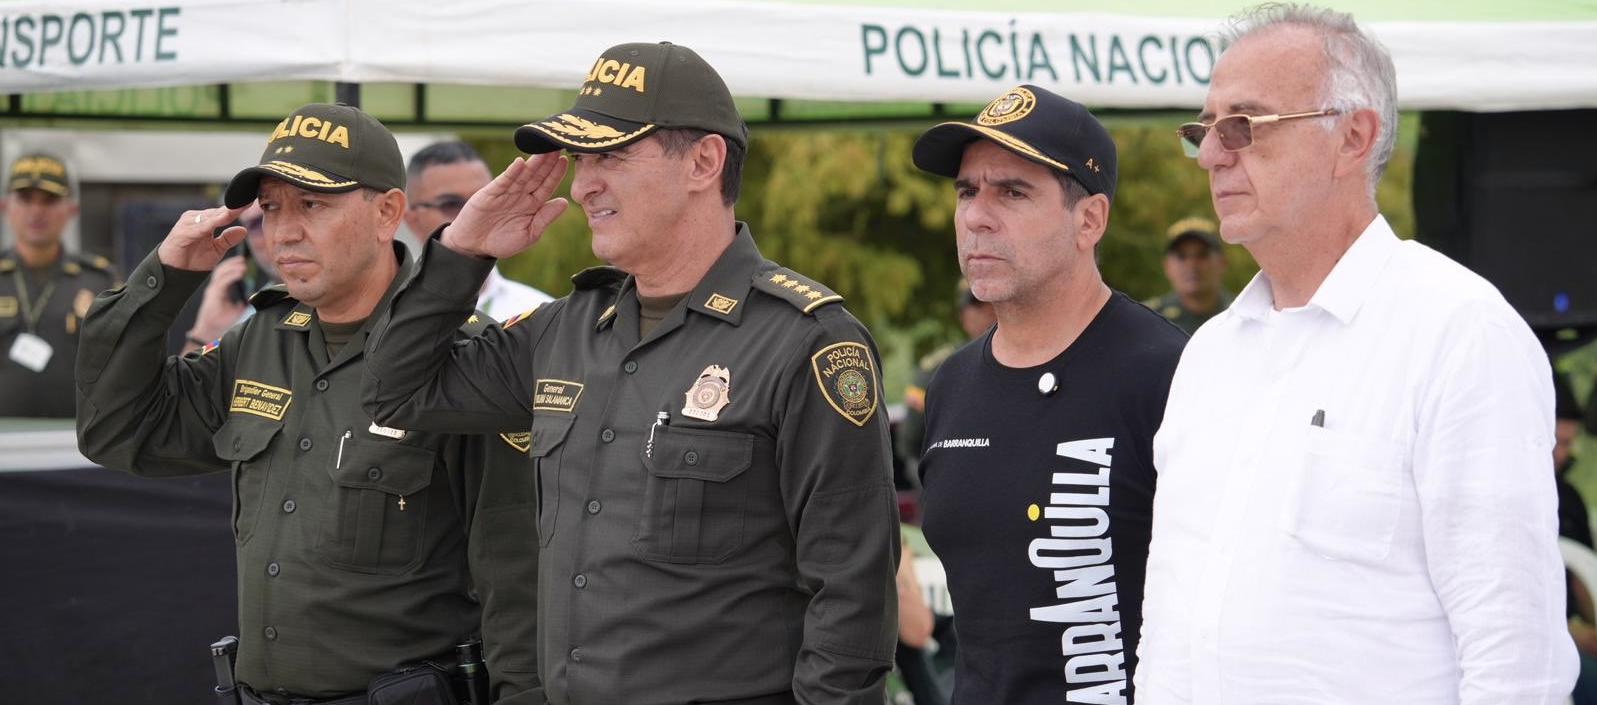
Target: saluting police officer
{"type": "Point", "coordinates": [44, 290]}
{"type": "Point", "coordinates": [717, 517]}
{"type": "Point", "coordinates": [352, 535]}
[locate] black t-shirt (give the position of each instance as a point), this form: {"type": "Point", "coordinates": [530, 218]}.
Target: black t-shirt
{"type": "Point", "coordinates": [1040, 507]}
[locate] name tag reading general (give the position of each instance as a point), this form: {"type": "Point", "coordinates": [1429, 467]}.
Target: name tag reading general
{"type": "Point", "coordinates": [31, 351]}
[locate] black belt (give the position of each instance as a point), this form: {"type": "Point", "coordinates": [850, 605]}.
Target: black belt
{"type": "Point", "coordinates": [248, 696]}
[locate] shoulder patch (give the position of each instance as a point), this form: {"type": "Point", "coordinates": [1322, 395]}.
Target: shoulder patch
{"type": "Point", "coordinates": [270, 296]}
{"type": "Point", "coordinates": [847, 378]}
{"type": "Point", "coordinates": [595, 277]}
{"type": "Point", "coordinates": [803, 293]}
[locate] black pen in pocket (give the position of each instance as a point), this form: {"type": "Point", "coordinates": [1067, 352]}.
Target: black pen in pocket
{"type": "Point", "coordinates": [1319, 418]}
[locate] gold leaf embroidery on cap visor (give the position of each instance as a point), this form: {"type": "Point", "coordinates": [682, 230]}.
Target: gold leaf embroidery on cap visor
{"type": "Point", "coordinates": [578, 132]}
{"type": "Point", "coordinates": [302, 174]}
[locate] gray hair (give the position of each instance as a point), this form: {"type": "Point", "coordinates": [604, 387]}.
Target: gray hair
{"type": "Point", "coordinates": [1359, 76]}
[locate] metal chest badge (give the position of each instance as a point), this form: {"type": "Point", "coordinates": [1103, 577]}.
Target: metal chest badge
{"type": "Point", "coordinates": [709, 394]}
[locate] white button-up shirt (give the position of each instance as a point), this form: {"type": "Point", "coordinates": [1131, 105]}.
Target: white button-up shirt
{"type": "Point", "coordinates": [501, 298]}
{"type": "Point", "coordinates": [1356, 499]}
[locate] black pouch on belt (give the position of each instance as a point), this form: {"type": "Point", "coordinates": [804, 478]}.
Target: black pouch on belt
{"type": "Point", "coordinates": [418, 685]}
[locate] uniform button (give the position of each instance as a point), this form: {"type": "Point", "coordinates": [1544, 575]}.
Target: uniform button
{"type": "Point", "coordinates": [691, 457]}
{"type": "Point", "coordinates": [304, 444]}
{"type": "Point", "coordinates": [238, 443]}
{"type": "Point", "coordinates": [270, 633]}
{"type": "Point", "coordinates": [594, 506]}
{"type": "Point", "coordinates": [576, 655]}
{"type": "Point", "coordinates": [288, 506]}
{"type": "Point", "coordinates": [374, 474]}
{"type": "Point", "coordinates": [631, 366]}
{"type": "Point", "coordinates": [273, 569]}
{"type": "Point", "coordinates": [152, 282]}
{"type": "Point", "coordinates": [321, 385]}
{"type": "Point", "coordinates": [607, 435]}
{"type": "Point", "coordinates": [581, 581]}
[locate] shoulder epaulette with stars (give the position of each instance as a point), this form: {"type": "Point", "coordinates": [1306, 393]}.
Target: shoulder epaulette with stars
{"type": "Point", "coordinates": [595, 277]}
{"type": "Point", "coordinates": [804, 293]}
{"type": "Point", "coordinates": [270, 296]}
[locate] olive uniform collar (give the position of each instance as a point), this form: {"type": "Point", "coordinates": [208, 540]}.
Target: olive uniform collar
{"type": "Point", "coordinates": [722, 293]}
{"type": "Point", "coordinates": [302, 317]}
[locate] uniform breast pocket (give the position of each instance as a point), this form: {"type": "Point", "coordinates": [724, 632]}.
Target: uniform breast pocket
{"type": "Point", "coordinates": [548, 435]}
{"type": "Point", "coordinates": [694, 499]}
{"type": "Point", "coordinates": [243, 441]}
{"type": "Point", "coordinates": [378, 514]}
{"type": "Point", "coordinates": [1346, 500]}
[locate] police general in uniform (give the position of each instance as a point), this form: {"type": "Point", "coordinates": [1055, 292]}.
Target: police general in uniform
{"type": "Point", "coordinates": [44, 290]}
{"type": "Point", "coordinates": [351, 535]}
{"type": "Point", "coordinates": [717, 517]}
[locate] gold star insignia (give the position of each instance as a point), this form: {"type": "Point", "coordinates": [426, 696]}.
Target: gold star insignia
{"type": "Point", "coordinates": [813, 295]}
{"type": "Point", "coordinates": [778, 278]}
{"type": "Point", "coordinates": [789, 284]}
{"type": "Point", "coordinates": [597, 90]}
{"type": "Point", "coordinates": [472, 319]}
{"type": "Point", "coordinates": [801, 290]}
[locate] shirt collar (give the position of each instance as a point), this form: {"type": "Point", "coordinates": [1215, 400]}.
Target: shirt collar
{"type": "Point", "coordinates": [722, 293]}
{"type": "Point", "coordinates": [1344, 290]}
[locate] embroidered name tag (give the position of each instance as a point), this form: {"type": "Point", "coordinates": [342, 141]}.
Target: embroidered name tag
{"type": "Point", "coordinates": [556, 395]}
{"type": "Point", "coordinates": [251, 397]}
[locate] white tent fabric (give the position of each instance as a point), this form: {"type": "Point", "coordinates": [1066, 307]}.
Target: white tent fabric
{"type": "Point", "coordinates": [765, 49]}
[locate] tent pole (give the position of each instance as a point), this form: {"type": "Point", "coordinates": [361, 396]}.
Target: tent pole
{"type": "Point", "coordinates": [347, 93]}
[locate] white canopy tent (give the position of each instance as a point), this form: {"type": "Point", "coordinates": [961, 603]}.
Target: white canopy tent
{"type": "Point", "coordinates": [1473, 55]}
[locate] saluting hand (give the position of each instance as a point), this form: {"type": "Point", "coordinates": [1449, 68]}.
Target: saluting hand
{"type": "Point", "coordinates": [191, 246]}
{"type": "Point", "coordinates": [510, 213]}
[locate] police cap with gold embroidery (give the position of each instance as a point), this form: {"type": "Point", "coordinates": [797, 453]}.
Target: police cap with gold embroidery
{"type": "Point", "coordinates": [632, 90]}
{"type": "Point", "coordinates": [1036, 124]}
{"type": "Point", "coordinates": [325, 148]}
{"type": "Point", "coordinates": [40, 171]}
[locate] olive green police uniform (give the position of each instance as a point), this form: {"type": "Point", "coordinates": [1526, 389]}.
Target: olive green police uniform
{"type": "Point", "coordinates": [50, 304]}
{"type": "Point", "coordinates": [1170, 307]}
{"type": "Point", "coordinates": [716, 519]}
{"type": "Point", "coordinates": [716, 516]}
{"type": "Point", "coordinates": [352, 537]}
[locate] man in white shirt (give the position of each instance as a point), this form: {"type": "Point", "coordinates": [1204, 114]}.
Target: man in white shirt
{"type": "Point", "coordinates": [1355, 502]}
{"type": "Point", "coordinates": [440, 178]}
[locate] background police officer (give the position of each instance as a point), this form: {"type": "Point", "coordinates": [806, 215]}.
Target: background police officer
{"type": "Point", "coordinates": [1193, 264]}
{"type": "Point", "coordinates": [44, 290]}
{"type": "Point", "coordinates": [352, 555]}
{"type": "Point", "coordinates": [717, 515]}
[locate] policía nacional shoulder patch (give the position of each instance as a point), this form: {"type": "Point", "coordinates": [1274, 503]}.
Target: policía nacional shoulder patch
{"type": "Point", "coordinates": [847, 378]}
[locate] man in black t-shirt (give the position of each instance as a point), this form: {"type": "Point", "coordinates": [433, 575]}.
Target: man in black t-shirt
{"type": "Point", "coordinates": [1038, 467]}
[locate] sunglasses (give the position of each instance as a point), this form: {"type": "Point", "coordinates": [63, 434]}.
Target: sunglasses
{"type": "Point", "coordinates": [1235, 131]}
{"type": "Point", "coordinates": [449, 205]}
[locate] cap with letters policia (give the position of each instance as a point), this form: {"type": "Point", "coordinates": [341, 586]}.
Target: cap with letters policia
{"type": "Point", "coordinates": [632, 90]}
{"type": "Point", "coordinates": [42, 172]}
{"type": "Point", "coordinates": [325, 148]}
{"type": "Point", "coordinates": [1036, 124]}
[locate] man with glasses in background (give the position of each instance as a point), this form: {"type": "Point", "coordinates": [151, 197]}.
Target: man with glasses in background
{"type": "Point", "coordinates": [439, 180]}
{"type": "Point", "coordinates": [1356, 499]}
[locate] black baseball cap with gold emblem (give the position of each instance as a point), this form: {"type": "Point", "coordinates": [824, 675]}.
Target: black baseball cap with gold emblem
{"type": "Point", "coordinates": [325, 148]}
{"type": "Point", "coordinates": [40, 171]}
{"type": "Point", "coordinates": [1036, 124]}
{"type": "Point", "coordinates": [632, 90]}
